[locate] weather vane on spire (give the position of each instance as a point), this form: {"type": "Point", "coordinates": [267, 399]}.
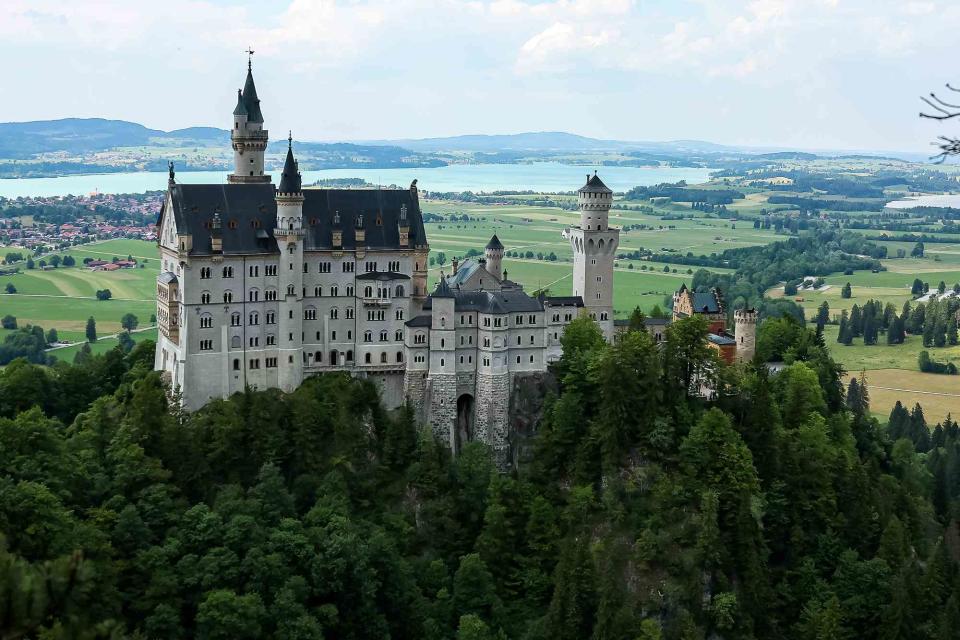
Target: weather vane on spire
{"type": "Point", "coordinates": [250, 53]}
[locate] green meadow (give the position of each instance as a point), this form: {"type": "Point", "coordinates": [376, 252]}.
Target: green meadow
{"type": "Point", "coordinates": [65, 297]}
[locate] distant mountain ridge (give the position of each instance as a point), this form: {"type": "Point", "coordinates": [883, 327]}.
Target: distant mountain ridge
{"type": "Point", "coordinates": [22, 140]}
{"type": "Point", "coordinates": [86, 135]}
{"type": "Point", "coordinates": [548, 141]}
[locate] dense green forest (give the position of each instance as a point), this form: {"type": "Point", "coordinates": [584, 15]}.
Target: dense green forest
{"type": "Point", "coordinates": [778, 509]}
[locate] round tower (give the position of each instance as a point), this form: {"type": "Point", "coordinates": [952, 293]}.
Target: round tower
{"type": "Point", "coordinates": [745, 326]}
{"type": "Point", "coordinates": [247, 136]}
{"type": "Point", "coordinates": [594, 246]}
{"type": "Point", "coordinates": [289, 235]}
{"type": "Point", "coordinates": [594, 200]}
{"type": "Point", "coordinates": [494, 256]}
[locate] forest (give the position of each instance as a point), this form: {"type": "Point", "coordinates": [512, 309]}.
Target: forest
{"type": "Point", "coordinates": [777, 509]}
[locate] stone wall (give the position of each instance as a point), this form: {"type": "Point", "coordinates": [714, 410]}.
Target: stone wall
{"type": "Point", "coordinates": [442, 389]}
{"type": "Point", "coordinates": [528, 394]}
{"type": "Point", "coordinates": [415, 390]}
{"type": "Point", "coordinates": [492, 420]}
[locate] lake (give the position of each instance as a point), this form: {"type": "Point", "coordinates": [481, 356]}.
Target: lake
{"type": "Point", "coordinates": [540, 176]}
{"type": "Point", "coordinates": [946, 200]}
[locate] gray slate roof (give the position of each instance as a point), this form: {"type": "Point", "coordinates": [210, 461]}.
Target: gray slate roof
{"type": "Point", "coordinates": [290, 181]}
{"type": "Point", "coordinates": [705, 302]}
{"type": "Point", "coordinates": [383, 276]}
{"type": "Point", "coordinates": [563, 301]}
{"type": "Point", "coordinates": [594, 185]}
{"type": "Point", "coordinates": [721, 340]}
{"type": "Point", "coordinates": [491, 302]}
{"type": "Point", "coordinates": [494, 243]}
{"type": "Point", "coordinates": [250, 100]}
{"type": "Point", "coordinates": [249, 212]}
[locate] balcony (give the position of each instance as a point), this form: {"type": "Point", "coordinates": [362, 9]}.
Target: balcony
{"type": "Point", "coordinates": [376, 302]}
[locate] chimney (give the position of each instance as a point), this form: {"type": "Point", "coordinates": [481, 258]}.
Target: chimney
{"type": "Point", "coordinates": [456, 263]}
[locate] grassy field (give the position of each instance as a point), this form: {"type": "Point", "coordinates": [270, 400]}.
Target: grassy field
{"type": "Point", "coordinates": [937, 394]}
{"type": "Point", "coordinates": [64, 298]}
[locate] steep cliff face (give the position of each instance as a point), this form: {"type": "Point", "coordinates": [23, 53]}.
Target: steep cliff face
{"type": "Point", "coordinates": [528, 393]}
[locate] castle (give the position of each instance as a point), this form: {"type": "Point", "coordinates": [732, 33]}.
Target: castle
{"type": "Point", "coordinates": [262, 286]}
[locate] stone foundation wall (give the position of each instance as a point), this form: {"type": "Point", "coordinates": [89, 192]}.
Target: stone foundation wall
{"type": "Point", "coordinates": [442, 390]}
{"type": "Point", "coordinates": [415, 392]}
{"type": "Point", "coordinates": [492, 420]}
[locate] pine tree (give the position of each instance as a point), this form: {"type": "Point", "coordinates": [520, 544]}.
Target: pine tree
{"type": "Point", "coordinates": [91, 329]}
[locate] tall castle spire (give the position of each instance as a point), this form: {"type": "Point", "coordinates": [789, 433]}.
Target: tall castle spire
{"type": "Point", "coordinates": [247, 136]}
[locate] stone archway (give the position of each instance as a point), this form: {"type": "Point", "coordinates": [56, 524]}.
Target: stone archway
{"type": "Point", "coordinates": [466, 411]}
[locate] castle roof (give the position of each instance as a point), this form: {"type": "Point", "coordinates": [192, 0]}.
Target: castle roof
{"type": "Point", "coordinates": [705, 302]}
{"type": "Point", "coordinates": [240, 109]}
{"type": "Point", "coordinates": [250, 100]}
{"type": "Point", "coordinates": [290, 181]}
{"type": "Point", "coordinates": [563, 301]}
{"type": "Point", "coordinates": [490, 302]}
{"type": "Point", "coordinates": [494, 243]}
{"type": "Point", "coordinates": [594, 185]}
{"type": "Point", "coordinates": [443, 290]}
{"type": "Point", "coordinates": [383, 276]}
{"type": "Point", "coordinates": [249, 211]}
{"type": "Point", "coordinates": [721, 340]}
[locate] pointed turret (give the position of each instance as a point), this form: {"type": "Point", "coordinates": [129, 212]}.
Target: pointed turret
{"type": "Point", "coordinates": [247, 136]}
{"type": "Point", "coordinates": [493, 254]}
{"type": "Point", "coordinates": [290, 181]}
{"type": "Point", "coordinates": [250, 99]}
{"type": "Point", "coordinates": [240, 109]}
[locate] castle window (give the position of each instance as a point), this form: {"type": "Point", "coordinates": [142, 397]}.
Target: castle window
{"type": "Point", "coordinates": [318, 292]}
{"type": "Point", "coordinates": [206, 321]}
{"type": "Point", "coordinates": [233, 224]}
{"type": "Point", "coordinates": [253, 295]}
{"type": "Point", "coordinates": [441, 362]}
{"type": "Point", "coordinates": [254, 318]}
{"type": "Point", "coordinates": [205, 273]}
{"type": "Point", "coordinates": [228, 272]}
{"type": "Point", "coordinates": [205, 298]}
{"type": "Point", "coordinates": [271, 340]}
{"type": "Point", "coordinates": [398, 335]}
{"type": "Point", "coordinates": [290, 290]}
{"type": "Point", "coordinates": [206, 345]}
{"type": "Point", "coordinates": [310, 313]}
{"type": "Point", "coordinates": [420, 338]}
{"type": "Point", "coordinates": [254, 341]}
{"type": "Point", "coordinates": [349, 311]}
{"type": "Point", "coordinates": [518, 340]}
{"type": "Point", "coordinates": [383, 336]}
{"type": "Point", "coordinates": [441, 343]}
{"type": "Point", "coordinates": [318, 356]}
{"type": "Point", "coordinates": [334, 291]}
{"type": "Point", "coordinates": [399, 314]}
{"type": "Point", "coordinates": [366, 358]}
{"type": "Point", "coordinates": [333, 357]}
{"type": "Point", "coordinates": [255, 363]}
{"type": "Point", "coordinates": [236, 364]}
{"type": "Point", "coordinates": [399, 356]}
{"type": "Point", "coordinates": [271, 363]}
{"type": "Point", "coordinates": [399, 291]}
{"type": "Point", "coordinates": [383, 358]}
{"type": "Point", "coordinates": [350, 355]}
{"type": "Point", "coordinates": [235, 320]}
{"type": "Point", "coordinates": [270, 270]}
{"type": "Point", "coordinates": [518, 359]}
{"type": "Point", "coordinates": [335, 313]}
{"type": "Point", "coordinates": [333, 336]}
{"type": "Point", "coordinates": [531, 339]}
{"type": "Point", "coordinates": [271, 317]}
{"type": "Point", "coordinates": [368, 336]}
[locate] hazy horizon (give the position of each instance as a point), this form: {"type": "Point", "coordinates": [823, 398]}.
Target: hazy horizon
{"type": "Point", "coordinates": [817, 75]}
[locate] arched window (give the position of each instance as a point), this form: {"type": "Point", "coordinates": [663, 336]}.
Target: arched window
{"type": "Point", "coordinates": [334, 314]}
{"type": "Point", "coordinates": [399, 356]}
{"type": "Point", "coordinates": [383, 357]}
{"type": "Point", "coordinates": [334, 291]}
{"type": "Point", "coordinates": [368, 292]}
{"type": "Point", "coordinates": [235, 342]}
{"type": "Point", "coordinates": [333, 357]}
{"type": "Point", "coordinates": [205, 298]}
{"type": "Point", "coordinates": [235, 319]}
{"type": "Point", "coordinates": [236, 364]}
{"type": "Point", "coordinates": [318, 292]}
{"type": "Point", "coordinates": [399, 291]}
{"type": "Point", "coordinates": [398, 335]}
{"type": "Point", "coordinates": [368, 336]}
{"type": "Point", "coordinates": [253, 295]}
{"type": "Point", "coordinates": [228, 272]}
{"type": "Point", "coordinates": [254, 318]}
{"type": "Point", "coordinates": [290, 290]}
{"type": "Point", "coordinates": [228, 296]}
{"type": "Point", "coordinates": [366, 358]}
{"type": "Point", "coordinates": [383, 336]}
{"type": "Point", "coordinates": [318, 357]}
{"type": "Point", "coordinates": [349, 290]}
{"type": "Point", "coordinates": [349, 355]}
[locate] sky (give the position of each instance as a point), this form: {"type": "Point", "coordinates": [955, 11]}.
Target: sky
{"type": "Point", "coordinates": [807, 74]}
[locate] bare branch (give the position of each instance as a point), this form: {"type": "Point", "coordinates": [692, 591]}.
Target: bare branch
{"type": "Point", "coordinates": [947, 115]}
{"type": "Point", "coordinates": [949, 147]}
{"type": "Point", "coordinates": [945, 104]}
{"type": "Point", "coordinates": [952, 88]}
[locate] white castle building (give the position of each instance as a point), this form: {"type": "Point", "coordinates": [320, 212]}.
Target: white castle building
{"type": "Point", "coordinates": [262, 286]}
